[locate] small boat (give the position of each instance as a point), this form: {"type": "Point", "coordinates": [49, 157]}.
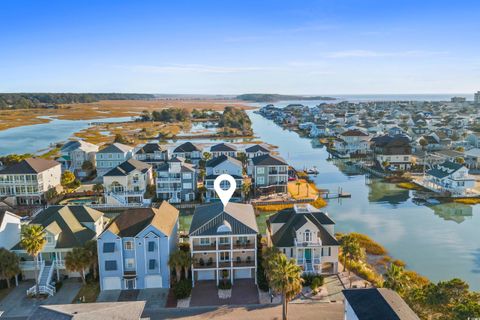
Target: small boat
{"type": "Point", "coordinates": [432, 201]}
{"type": "Point", "coordinates": [312, 170]}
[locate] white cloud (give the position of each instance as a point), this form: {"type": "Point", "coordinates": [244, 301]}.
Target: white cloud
{"type": "Point", "coordinates": [374, 54]}
{"type": "Point", "coordinates": [196, 68]}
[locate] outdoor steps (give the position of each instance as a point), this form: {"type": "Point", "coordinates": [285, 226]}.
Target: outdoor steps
{"type": "Point", "coordinates": [43, 280]}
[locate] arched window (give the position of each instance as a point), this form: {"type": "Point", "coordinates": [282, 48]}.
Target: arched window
{"type": "Point", "coordinates": [307, 236]}
{"type": "Point", "coordinates": [225, 227]}
{"type": "Point", "coordinates": [116, 187]}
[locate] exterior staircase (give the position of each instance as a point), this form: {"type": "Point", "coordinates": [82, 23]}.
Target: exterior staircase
{"type": "Point", "coordinates": [44, 279]}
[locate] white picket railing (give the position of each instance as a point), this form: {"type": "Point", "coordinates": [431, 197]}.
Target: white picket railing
{"type": "Point", "coordinates": [46, 288]}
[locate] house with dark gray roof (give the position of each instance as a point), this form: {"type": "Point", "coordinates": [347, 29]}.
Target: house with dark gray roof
{"type": "Point", "coordinates": [26, 182]}
{"type": "Point", "coordinates": [223, 164]}
{"type": "Point", "coordinates": [134, 249]}
{"type": "Point", "coordinates": [128, 183]}
{"type": "Point", "coordinates": [74, 154]}
{"type": "Point", "coordinates": [152, 153]}
{"type": "Point", "coordinates": [256, 150]}
{"type": "Point", "coordinates": [176, 181]}
{"type": "Point", "coordinates": [188, 151]}
{"type": "Point", "coordinates": [376, 303]}
{"type": "Point", "coordinates": [450, 177]}
{"type": "Point", "coordinates": [225, 149]}
{"type": "Point", "coordinates": [307, 235]}
{"type": "Point", "coordinates": [269, 173]}
{"type": "Point", "coordinates": [223, 242]}
{"type": "Point", "coordinates": [111, 156]}
{"type": "Point", "coordinates": [66, 227]}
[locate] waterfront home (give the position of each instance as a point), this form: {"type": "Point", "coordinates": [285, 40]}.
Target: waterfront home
{"type": "Point", "coordinates": [111, 156]}
{"type": "Point", "coordinates": [352, 142]}
{"type": "Point", "coordinates": [223, 149]}
{"type": "Point", "coordinates": [392, 152]}
{"type": "Point", "coordinates": [188, 151]}
{"type": "Point", "coordinates": [66, 227]}
{"type": "Point", "coordinates": [26, 182]}
{"type": "Point", "coordinates": [256, 150]}
{"type": "Point", "coordinates": [451, 178]}
{"type": "Point", "coordinates": [376, 303]}
{"type": "Point", "coordinates": [223, 242]}
{"type": "Point", "coordinates": [474, 139]}
{"type": "Point", "coordinates": [152, 153]}
{"type": "Point", "coordinates": [134, 249]}
{"type": "Point", "coordinates": [74, 154]}
{"type": "Point", "coordinates": [223, 165]}
{"type": "Point", "coordinates": [9, 229]}
{"type": "Point", "coordinates": [306, 234]}
{"type": "Point", "coordinates": [269, 173]}
{"type": "Point", "coordinates": [127, 183]}
{"type": "Point", "coordinates": [176, 181]}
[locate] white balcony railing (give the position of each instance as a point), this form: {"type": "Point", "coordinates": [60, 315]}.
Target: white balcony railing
{"type": "Point", "coordinates": [313, 243]}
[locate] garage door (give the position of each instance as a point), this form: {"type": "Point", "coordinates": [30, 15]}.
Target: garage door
{"type": "Point", "coordinates": [206, 275]}
{"type": "Point", "coordinates": [153, 281]}
{"type": "Point", "coordinates": [243, 274]}
{"type": "Point", "coordinates": [112, 283]}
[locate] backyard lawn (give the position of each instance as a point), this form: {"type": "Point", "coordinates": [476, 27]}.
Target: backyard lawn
{"type": "Point", "coordinates": [88, 293]}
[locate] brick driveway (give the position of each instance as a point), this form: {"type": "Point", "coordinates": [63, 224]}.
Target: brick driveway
{"type": "Point", "coordinates": [205, 293]}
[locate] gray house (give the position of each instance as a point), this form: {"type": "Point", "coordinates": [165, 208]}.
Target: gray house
{"type": "Point", "coordinates": [189, 151]}
{"type": "Point", "coordinates": [134, 249]}
{"type": "Point", "coordinates": [152, 153]}
{"type": "Point", "coordinates": [111, 156]}
{"type": "Point", "coordinates": [223, 165]}
{"type": "Point", "coordinates": [176, 181]}
{"type": "Point", "coordinates": [269, 173]}
{"type": "Point", "coordinates": [225, 149]}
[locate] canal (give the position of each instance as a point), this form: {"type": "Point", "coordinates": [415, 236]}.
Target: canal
{"type": "Point", "coordinates": [440, 242]}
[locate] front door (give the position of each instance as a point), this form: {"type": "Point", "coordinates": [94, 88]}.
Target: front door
{"type": "Point", "coordinates": [308, 255]}
{"type": "Point", "coordinates": [130, 284]}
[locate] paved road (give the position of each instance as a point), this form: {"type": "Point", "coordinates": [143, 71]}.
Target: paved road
{"type": "Point", "coordinates": [317, 311]}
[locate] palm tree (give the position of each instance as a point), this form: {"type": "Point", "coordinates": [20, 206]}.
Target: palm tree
{"type": "Point", "coordinates": [202, 190]}
{"type": "Point", "coordinates": [351, 250]}
{"type": "Point", "coordinates": [396, 279]}
{"type": "Point", "coordinates": [185, 261]}
{"type": "Point", "coordinates": [9, 265]}
{"type": "Point", "coordinates": [246, 187]}
{"type": "Point", "coordinates": [33, 240]}
{"type": "Point", "coordinates": [242, 156]}
{"type": "Point", "coordinates": [268, 255]}
{"type": "Point", "coordinates": [78, 260]}
{"type": "Point", "coordinates": [91, 250]}
{"type": "Point", "coordinates": [174, 262]}
{"type": "Point", "coordinates": [286, 278]}
{"type": "Point", "coordinates": [207, 156]}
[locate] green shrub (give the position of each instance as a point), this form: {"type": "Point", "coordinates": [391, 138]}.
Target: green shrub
{"type": "Point", "coordinates": [317, 282]}
{"type": "Point", "coordinates": [182, 289]}
{"type": "Point", "coordinates": [308, 278]}
{"type": "Point", "coordinates": [225, 285]}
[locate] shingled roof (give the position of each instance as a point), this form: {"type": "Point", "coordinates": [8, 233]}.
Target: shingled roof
{"type": "Point", "coordinates": [268, 160]}
{"type": "Point", "coordinates": [186, 147]}
{"type": "Point", "coordinates": [68, 222]}
{"type": "Point", "coordinates": [292, 221]}
{"type": "Point", "coordinates": [217, 160]}
{"type": "Point", "coordinates": [256, 148]}
{"type": "Point", "coordinates": [207, 218]}
{"type": "Point", "coordinates": [223, 147]}
{"type": "Point", "coordinates": [444, 169]}
{"type": "Point", "coordinates": [127, 167]}
{"type": "Point", "coordinates": [30, 166]}
{"type": "Point", "coordinates": [133, 221]}
{"type": "Point", "coordinates": [378, 303]}
{"type": "Point", "coordinates": [151, 147]}
{"type": "Point", "coordinates": [116, 148]}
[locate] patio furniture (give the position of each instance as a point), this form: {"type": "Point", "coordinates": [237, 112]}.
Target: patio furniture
{"type": "Point", "coordinates": [210, 261]}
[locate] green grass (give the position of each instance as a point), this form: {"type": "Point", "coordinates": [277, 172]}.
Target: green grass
{"type": "Point", "coordinates": [90, 291]}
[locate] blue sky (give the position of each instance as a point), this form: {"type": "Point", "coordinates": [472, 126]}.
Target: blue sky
{"type": "Point", "coordinates": [231, 47]}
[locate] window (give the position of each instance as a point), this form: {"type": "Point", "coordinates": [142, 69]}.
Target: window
{"type": "Point", "coordinates": [307, 236]}
{"type": "Point", "coordinates": [108, 247]}
{"type": "Point", "coordinates": [260, 170]}
{"type": "Point", "coordinates": [225, 256]}
{"type": "Point", "coordinates": [151, 264]}
{"type": "Point", "coordinates": [204, 241]}
{"type": "Point", "coordinates": [260, 180]}
{"type": "Point", "coordinates": [50, 240]}
{"type": "Point", "coordinates": [151, 246]}
{"type": "Point", "coordinates": [187, 186]}
{"type": "Point", "coordinates": [110, 265]}
{"type": "Point", "coordinates": [128, 245]}
{"type": "Point", "coordinates": [224, 240]}
{"type": "Point", "coordinates": [291, 252]}
{"type": "Point", "coordinates": [187, 176]}
{"type": "Point", "coordinates": [129, 263]}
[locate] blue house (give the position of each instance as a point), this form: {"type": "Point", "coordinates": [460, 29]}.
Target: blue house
{"type": "Point", "coordinates": [133, 250]}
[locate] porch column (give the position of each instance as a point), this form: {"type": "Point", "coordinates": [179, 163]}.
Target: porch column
{"type": "Point", "coordinates": [56, 265]}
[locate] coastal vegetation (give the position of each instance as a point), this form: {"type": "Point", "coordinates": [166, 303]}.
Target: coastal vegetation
{"type": "Point", "coordinates": [443, 300]}
{"type": "Point", "coordinates": [234, 121]}
{"type": "Point", "coordinates": [409, 186]}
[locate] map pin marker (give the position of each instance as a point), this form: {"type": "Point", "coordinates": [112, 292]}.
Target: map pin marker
{"type": "Point", "coordinates": [225, 195]}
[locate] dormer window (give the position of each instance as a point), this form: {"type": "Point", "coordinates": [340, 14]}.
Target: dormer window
{"type": "Point", "coordinates": [50, 239]}
{"type": "Point", "coordinates": [225, 227]}
{"type": "Point", "coordinates": [307, 236]}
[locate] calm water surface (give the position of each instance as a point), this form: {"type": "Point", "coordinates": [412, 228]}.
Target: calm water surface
{"type": "Point", "coordinates": [440, 242]}
{"type": "Point", "coordinates": [37, 137]}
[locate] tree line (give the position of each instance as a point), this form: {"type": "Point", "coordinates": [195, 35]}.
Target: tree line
{"type": "Point", "coordinates": [44, 100]}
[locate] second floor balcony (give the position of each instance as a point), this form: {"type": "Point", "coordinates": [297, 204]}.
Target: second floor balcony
{"type": "Point", "coordinates": [314, 242]}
